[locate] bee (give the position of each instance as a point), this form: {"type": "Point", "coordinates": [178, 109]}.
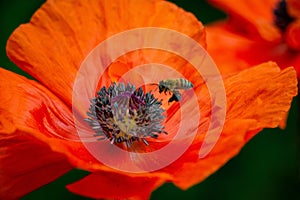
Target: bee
{"type": "Point", "coordinates": [176, 96]}
{"type": "Point", "coordinates": [172, 86]}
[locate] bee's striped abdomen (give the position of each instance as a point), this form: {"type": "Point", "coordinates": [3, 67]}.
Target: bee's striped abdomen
{"type": "Point", "coordinates": [183, 84]}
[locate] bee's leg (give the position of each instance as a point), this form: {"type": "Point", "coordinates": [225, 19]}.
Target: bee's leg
{"type": "Point", "coordinates": [173, 98]}
{"type": "Point", "coordinates": [145, 141]}
{"type": "Point", "coordinates": [160, 89]}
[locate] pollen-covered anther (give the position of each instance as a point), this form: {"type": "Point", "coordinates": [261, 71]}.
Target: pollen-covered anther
{"type": "Point", "coordinates": [122, 113]}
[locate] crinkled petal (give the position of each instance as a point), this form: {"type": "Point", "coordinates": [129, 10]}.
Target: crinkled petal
{"type": "Point", "coordinates": [116, 186]}
{"type": "Point", "coordinates": [35, 111]}
{"type": "Point", "coordinates": [256, 98]}
{"type": "Point", "coordinates": [62, 33]}
{"type": "Point", "coordinates": [265, 94]}
{"type": "Point", "coordinates": [34, 107]}
{"type": "Point", "coordinates": [25, 162]}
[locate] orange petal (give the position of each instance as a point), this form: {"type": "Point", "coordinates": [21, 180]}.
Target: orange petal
{"type": "Point", "coordinates": [225, 46]}
{"type": "Point", "coordinates": [62, 33]}
{"type": "Point", "coordinates": [117, 70]}
{"type": "Point", "coordinates": [256, 98]}
{"type": "Point", "coordinates": [267, 87]}
{"type": "Point", "coordinates": [116, 186]}
{"type": "Point", "coordinates": [252, 18]}
{"type": "Point", "coordinates": [293, 7]}
{"type": "Point", "coordinates": [37, 112]}
{"type": "Point", "coordinates": [34, 107]}
{"type": "Point", "coordinates": [293, 35]}
{"type": "Point", "coordinates": [26, 163]}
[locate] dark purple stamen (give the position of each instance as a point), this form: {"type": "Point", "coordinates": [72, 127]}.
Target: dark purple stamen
{"type": "Point", "coordinates": [121, 113]}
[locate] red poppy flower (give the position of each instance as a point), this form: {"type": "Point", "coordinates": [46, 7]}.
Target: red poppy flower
{"type": "Point", "coordinates": [39, 134]}
{"type": "Point", "coordinates": [255, 31]}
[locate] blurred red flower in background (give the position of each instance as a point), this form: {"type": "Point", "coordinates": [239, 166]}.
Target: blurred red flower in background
{"type": "Point", "coordinates": [254, 32]}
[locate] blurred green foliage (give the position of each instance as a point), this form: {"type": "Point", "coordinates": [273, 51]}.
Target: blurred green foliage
{"type": "Point", "coordinates": [267, 167]}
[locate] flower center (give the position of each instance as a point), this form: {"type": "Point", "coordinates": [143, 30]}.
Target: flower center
{"type": "Point", "coordinates": [282, 18]}
{"type": "Point", "coordinates": [122, 113]}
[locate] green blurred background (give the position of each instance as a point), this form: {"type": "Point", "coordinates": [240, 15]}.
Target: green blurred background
{"type": "Point", "coordinates": [267, 167]}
